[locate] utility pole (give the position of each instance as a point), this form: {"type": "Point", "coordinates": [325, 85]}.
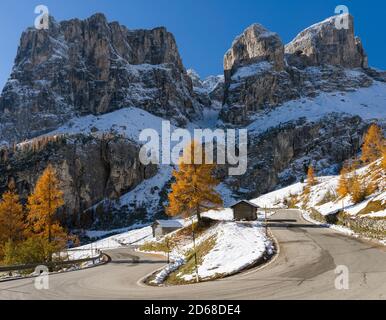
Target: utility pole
{"type": "Point", "coordinates": [168, 247]}
{"type": "Point", "coordinates": [195, 252]}
{"type": "Point", "coordinates": [92, 254]}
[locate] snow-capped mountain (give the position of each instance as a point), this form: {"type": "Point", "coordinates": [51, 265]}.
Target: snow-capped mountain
{"type": "Point", "coordinates": [307, 102]}
{"type": "Point", "coordinates": [261, 73]}
{"type": "Point", "coordinates": [78, 68]}
{"type": "Point", "coordinates": [209, 91]}
{"type": "Point", "coordinates": [83, 90]}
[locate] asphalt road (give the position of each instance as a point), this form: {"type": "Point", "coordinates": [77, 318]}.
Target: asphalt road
{"type": "Point", "coordinates": [304, 269]}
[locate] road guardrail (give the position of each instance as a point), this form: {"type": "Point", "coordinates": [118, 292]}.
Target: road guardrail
{"type": "Point", "coordinates": [52, 264]}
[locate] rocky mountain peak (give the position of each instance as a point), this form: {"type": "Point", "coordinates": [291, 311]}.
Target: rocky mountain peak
{"type": "Point", "coordinates": [326, 44]}
{"type": "Point", "coordinates": [98, 17]}
{"type": "Point", "coordinates": [196, 79]}
{"type": "Point", "coordinates": [254, 45]}
{"type": "Point", "coordinates": [208, 91]}
{"type": "Point", "coordinates": [91, 66]}
{"type": "Point", "coordinates": [260, 74]}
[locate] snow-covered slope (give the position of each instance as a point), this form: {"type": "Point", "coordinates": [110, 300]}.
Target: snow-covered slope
{"type": "Point", "coordinates": [237, 246]}
{"type": "Point", "coordinates": [324, 198]}
{"type": "Point", "coordinates": [147, 194]}
{"type": "Point", "coordinates": [121, 240]}
{"type": "Point", "coordinates": [128, 122]}
{"type": "Point", "coordinates": [234, 247]}
{"type": "Point", "coordinates": [223, 249]}
{"type": "Point", "coordinates": [368, 103]}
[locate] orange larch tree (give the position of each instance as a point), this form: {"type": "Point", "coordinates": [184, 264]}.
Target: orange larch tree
{"type": "Point", "coordinates": [357, 191]}
{"type": "Point", "coordinates": [12, 224]}
{"type": "Point", "coordinates": [194, 189]}
{"type": "Point", "coordinates": [43, 204]}
{"type": "Point", "coordinates": [372, 145]}
{"type": "Point", "coordinates": [311, 180]}
{"type": "Point", "coordinates": [344, 184]}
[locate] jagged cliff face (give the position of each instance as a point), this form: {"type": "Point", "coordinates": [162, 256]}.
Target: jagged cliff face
{"type": "Point", "coordinates": [261, 73]}
{"type": "Point", "coordinates": [90, 169]}
{"type": "Point", "coordinates": [92, 67]}
{"type": "Point", "coordinates": [281, 156]}
{"type": "Point", "coordinates": [209, 91]}
{"type": "Point", "coordinates": [323, 43]}
{"type": "Point", "coordinates": [255, 45]}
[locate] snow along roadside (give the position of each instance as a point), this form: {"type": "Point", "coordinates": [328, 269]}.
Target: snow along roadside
{"type": "Point", "coordinates": [235, 246]}
{"type": "Point", "coordinates": [238, 246]}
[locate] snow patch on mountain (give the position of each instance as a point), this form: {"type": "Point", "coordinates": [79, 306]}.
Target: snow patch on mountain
{"type": "Point", "coordinates": [368, 103]}
{"type": "Point", "coordinates": [129, 122]}
{"type": "Point", "coordinates": [212, 82]}
{"type": "Point", "coordinates": [251, 70]}
{"type": "Point", "coordinates": [207, 85]}
{"type": "Point", "coordinates": [147, 194]}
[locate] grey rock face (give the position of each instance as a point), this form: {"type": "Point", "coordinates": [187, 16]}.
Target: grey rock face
{"type": "Point", "coordinates": [256, 44]}
{"type": "Point", "coordinates": [282, 155]}
{"type": "Point", "coordinates": [258, 77]}
{"type": "Point", "coordinates": [215, 86]}
{"type": "Point", "coordinates": [92, 67]}
{"type": "Point", "coordinates": [253, 70]}
{"type": "Point", "coordinates": [209, 90]}
{"type": "Point", "coordinates": [324, 43]}
{"type": "Point", "coordinates": [90, 169]}
{"type": "Point", "coordinates": [255, 88]}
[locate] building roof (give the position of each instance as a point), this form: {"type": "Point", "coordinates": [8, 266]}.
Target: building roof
{"type": "Point", "coordinates": [169, 223]}
{"type": "Point", "coordinates": [247, 202]}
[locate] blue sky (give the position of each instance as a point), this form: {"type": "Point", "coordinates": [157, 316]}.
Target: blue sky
{"type": "Point", "coordinates": [204, 29]}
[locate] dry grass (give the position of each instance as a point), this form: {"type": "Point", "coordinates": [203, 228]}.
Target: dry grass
{"type": "Point", "coordinates": [155, 247]}
{"type": "Point", "coordinates": [373, 206]}
{"type": "Point", "coordinates": [178, 238]}
{"type": "Point", "coordinates": [202, 250]}
{"type": "Point", "coordinates": [328, 197]}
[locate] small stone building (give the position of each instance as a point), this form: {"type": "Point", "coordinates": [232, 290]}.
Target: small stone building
{"type": "Point", "coordinates": [245, 211]}
{"type": "Point", "coordinates": [164, 227]}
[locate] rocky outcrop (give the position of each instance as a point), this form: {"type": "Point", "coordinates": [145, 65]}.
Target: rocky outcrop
{"type": "Point", "coordinates": [92, 67]}
{"type": "Point", "coordinates": [325, 44]}
{"type": "Point", "coordinates": [256, 44]}
{"type": "Point", "coordinates": [253, 88]}
{"type": "Point", "coordinates": [259, 77]}
{"type": "Point", "coordinates": [209, 90]}
{"type": "Point", "coordinates": [90, 169]}
{"type": "Point", "coordinates": [369, 227]}
{"type": "Point", "coordinates": [282, 155]}
{"type": "Point", "coordinates": [216, 88]}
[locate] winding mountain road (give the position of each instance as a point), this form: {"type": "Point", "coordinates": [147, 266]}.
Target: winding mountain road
{"type": "Point", "coordinates": [304, 269]}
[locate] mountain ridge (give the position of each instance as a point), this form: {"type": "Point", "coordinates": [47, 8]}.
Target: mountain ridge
{"type": "Point", "coordinates": [100, 83]}
{"type": "Point", "coordinates": [80, 67]}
